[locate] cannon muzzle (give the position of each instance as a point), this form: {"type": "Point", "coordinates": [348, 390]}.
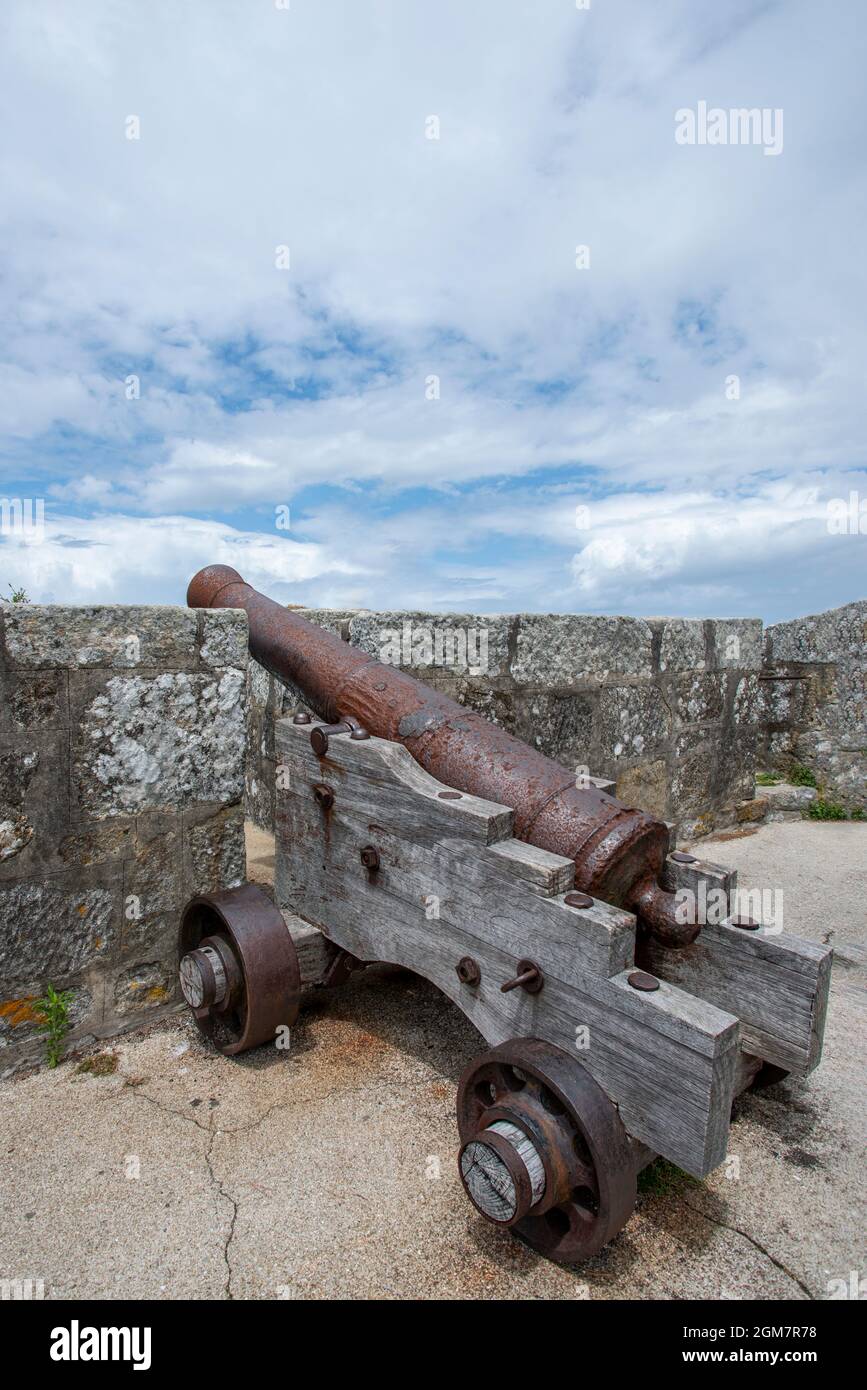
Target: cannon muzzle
{"type": "Point", "coordinates": [619, 852]}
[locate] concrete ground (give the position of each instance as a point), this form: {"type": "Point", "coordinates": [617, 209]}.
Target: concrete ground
{"type": "Point", "coordinates": [329, 1171]}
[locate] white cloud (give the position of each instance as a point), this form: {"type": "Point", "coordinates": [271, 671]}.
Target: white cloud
{"type": "Point", "coordinates": [306, 127]}
{"type": "Point", "coordinates": [114, 558]}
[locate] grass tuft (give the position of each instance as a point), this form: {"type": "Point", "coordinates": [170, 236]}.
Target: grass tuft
{"type": "Point", "coordinates": [825, 810]}
{"type": "Point", "coordinates": [801, 776]}
{"type": "Point", "coordinates": [664, 1179]}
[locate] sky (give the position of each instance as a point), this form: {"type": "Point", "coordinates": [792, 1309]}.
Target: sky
{"type": "Point", "coordinates": [298, 287]}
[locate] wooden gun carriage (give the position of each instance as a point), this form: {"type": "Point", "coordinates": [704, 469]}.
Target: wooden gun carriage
{"type": "Point", "coordinates": [608, 1042]}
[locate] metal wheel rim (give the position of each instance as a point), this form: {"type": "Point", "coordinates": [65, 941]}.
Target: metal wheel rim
{"type": "Point", "coordinates": [579, 1120]}
{"type": "Point", "coordinates": [257, 935]}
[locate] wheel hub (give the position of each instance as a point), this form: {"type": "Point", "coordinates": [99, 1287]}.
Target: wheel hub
{"type": "Point", "coordinates": [238, 968]}
{"type": "Point", "coordinates": [203, 977]}
{"type": "Point", "coordinates": [544, 1150]}
{"type": "Point", "coordinates": [502, 1173]}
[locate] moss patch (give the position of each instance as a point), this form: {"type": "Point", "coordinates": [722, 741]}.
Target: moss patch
{"type": "Point", "coordinates": [103, 1064]}
{"type": "Point", "coordinates": [664, 1179]}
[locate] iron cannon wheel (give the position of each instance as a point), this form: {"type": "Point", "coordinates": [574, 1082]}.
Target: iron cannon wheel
{"type": "Point", "coordinates": [238, 938]}
{"type": "Point", "coordinates": [527, 1103]}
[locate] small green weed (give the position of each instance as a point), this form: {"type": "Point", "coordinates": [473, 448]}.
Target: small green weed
{"type": "Point", "coordinates": [54, 1009]}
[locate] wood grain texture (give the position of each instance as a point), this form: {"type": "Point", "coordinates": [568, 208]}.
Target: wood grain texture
{"type": "Point", "coordinates": [543, 873]}
{"type": "Point", "coordinates": [452, 883]}
{"type": "Point", "coordinates": [315, 952]}
{"type": "Point", "coordinates": [776, 984]}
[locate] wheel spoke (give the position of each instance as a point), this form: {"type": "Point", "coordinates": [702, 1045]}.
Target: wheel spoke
{"type": "Point", "coordinates": [580, 1216]}
{"type": "Point", "coordinates": [578, 1135]}
{"type": "Point", "coordinates": [586, 1177]}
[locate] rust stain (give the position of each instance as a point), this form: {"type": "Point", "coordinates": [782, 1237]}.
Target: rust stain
{"type": "Point", "coordinates": [478, 1277]}
{"type": "Point", "coordinates": [156, 994]}
{"type": "Point", "coordinates": [345, 1051]}
{"type": "Point", "coordinates": [329, 765]}
{"type": "Point", "coordinates": [360, 1047]}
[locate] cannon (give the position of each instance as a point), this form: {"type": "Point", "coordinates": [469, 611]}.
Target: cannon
{"type": "Point", "coordinates": [409, 830]}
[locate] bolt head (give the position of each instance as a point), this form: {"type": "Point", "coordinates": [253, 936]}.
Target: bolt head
{"type": "Point", "coordinates": [370, 857]}
{"type": "Point", "coordinates": [468, 971]}
{"type": "Point", "coordinates": [639, 979]}
{"type": "Point", "coordinates": [319, 742]}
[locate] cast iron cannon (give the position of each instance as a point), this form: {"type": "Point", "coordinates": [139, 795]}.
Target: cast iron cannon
{"type": "Point", "coordinates": [618, 852]}
{"type": "Point", "coordinates": [411, 831]}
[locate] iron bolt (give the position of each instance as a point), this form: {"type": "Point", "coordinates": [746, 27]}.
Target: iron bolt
{"type": "Point", "coordinates": [302, 717]}
{"type": "Point", "coordinates": [468, 971]}
{"type": "Point", "coordinates": [324, 795]}
{"type": "Point", "coordinates": [370, 858]}
{"type": "Point", "coordinates": [529, 977]}
{"type": "Point", "coordinates": [578, 900]}
{"type": "Point", "coordinates": [680, 857]}
{"type": "Point", "coordinates": [639, 979]}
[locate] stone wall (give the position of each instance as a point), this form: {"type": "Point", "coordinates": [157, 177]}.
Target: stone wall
{"type": "Point", "coordinates": [122, 744]}
{"type": "Point", "coordinates": [667, 709]}
{"type": "Point", "coordinates": [814, 704]}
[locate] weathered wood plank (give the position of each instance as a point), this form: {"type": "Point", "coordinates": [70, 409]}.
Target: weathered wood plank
{"type": "Point", "coordinates": [314, 950]}
{"type": "Point", "coordinates": [667, 1059]}
{"type": "Point", "coordinates": [423, 842]}
{"type": "Point", "coordinates": [544, 873]}
{"type": "Point", "coordinates": [416, 795]}
{"type": "Point", "coordinates": [776, 984]}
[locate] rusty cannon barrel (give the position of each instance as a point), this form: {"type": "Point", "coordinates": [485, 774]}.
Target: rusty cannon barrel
{"type": "Point", "coordinates": [618, 852]}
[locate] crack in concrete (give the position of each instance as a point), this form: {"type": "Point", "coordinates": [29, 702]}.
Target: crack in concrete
{"type": "Point", "coordinates": [216, 1182]}
{"type": "Point", "coordinates": [235, 1204]}
{"type": "Point", "coordinates": [757, 1244]}
{"type": "Point", "coordinates": [159, 1105]}
{"type": "Point", "coordinates": [213, 1132]}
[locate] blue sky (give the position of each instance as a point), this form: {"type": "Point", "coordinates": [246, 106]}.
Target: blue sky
{"type": "Point", "coordinates": [432, 386]}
